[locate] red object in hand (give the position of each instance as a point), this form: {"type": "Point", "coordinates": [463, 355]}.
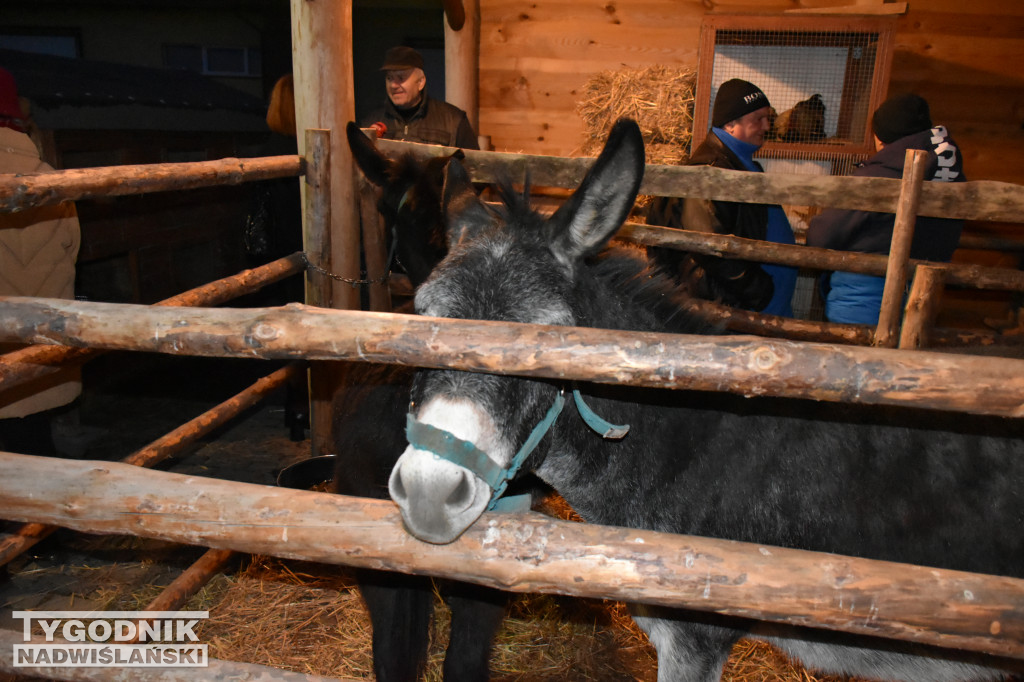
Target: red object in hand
{"type": "Point", "coordinates": [380, 128]}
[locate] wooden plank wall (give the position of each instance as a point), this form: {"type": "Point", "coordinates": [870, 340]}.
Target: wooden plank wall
{"type": "Point", "coordinates": [965, 58]}
{"type": "Point", "coordinates": [535, 57]}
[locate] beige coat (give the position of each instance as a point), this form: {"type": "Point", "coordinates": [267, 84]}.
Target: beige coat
{"type": "Point", "coordinates": [38, 249]}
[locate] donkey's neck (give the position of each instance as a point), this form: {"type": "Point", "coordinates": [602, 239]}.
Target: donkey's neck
{"type": "Point", "coordinates": [598, 477]}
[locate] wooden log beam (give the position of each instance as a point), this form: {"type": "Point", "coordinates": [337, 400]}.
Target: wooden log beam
{"type": "Point", "coordinates": [750, 366]}
{"type": "Point", "coordinates": [18, 192]}
{"type": "Point", "coordinates": [191, 580]}
{"type": "Point", "coordinates": [922, 306]}
{"type": "Point", "coordinates": [528, 553]}
{"type": "Point", "coordinates": [727, 246]}
{"type": "Point", "coordinates": [33, 362]}
{"type": "Point", "coordinates": [325, 100]}
{"type": "Point", "coordinates": [462, 57]}
{"type": "Point", "coordinates": [974, 200]}
{"type": "Point", "coordinates": [747, 322]}
{"type": "Point", "coordinates": [17, 540]}
{"type": "Point", "coordinates": [759, 324]}
{"type": "Point", "coordinates": [375, 249]}
{"type": "Point", "coordinates": [218, 670]}
{"type": "Point", "coordinates": [990, 243]}
{"type": "Point", "coordinates": [887, 332]}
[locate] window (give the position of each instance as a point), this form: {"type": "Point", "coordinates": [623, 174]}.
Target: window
{"type": "Point", "coordinates": [57, 44]}
{"type": "Point", "coordinates": [214, 61]}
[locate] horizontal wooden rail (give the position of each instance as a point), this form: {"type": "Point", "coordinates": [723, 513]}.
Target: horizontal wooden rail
{"type": "Point", "coordinates": [16, 540]}
{"type": "Point", "coordinates": [32, 362]}
{"type": "Point", "coordinates": [21, 191]}
{"type": "Point", "coordinates": [750, 366]}
{"type": "Point", "coordinates": [975, 200]}
{"type": "Point", "coordinates": [957, 274]}
{"type": "Point", "coordinates": [528, 553]}
{"type": "Point", "coordinates": [760, 324]}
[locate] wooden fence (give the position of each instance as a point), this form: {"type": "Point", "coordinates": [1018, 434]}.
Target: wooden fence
{"type": "Point", "coordinates": [922, 605]}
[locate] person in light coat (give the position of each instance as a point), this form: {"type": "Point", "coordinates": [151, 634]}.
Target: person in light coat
{"type": "Point", "coordinates": [38, 251]}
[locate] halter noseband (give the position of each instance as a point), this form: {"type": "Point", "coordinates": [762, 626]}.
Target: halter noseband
{"type": "Point", "coordinates": [445, 445]}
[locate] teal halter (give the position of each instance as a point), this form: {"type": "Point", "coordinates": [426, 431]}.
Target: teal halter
{"type": "Point", "coordinates": [445, 445]}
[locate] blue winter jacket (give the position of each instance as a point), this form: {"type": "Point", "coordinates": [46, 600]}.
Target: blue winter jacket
{"type": "Point", "coordinates": [857, 298]}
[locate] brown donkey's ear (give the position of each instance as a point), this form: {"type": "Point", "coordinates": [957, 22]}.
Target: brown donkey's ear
{"type": "Point", "coordinates": [466, 215]}
{"type": "Point", "coordinates": [373, 164]}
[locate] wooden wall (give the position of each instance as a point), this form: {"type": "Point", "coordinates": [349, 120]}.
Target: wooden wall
{"type": "Point", "coordinates": [965, 58]}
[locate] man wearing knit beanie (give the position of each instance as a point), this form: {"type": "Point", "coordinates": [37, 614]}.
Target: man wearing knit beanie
{"type": "Point", "coordinates": [903, 122]}
{"type": "Point", "coordinates": [740, 118]}
{"type": "Point", "coordinates": [900, 116]}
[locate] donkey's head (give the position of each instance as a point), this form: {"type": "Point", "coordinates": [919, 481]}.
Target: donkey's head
{"type": "Point", "coordinates": [410, 202]}
{"type": "Point", "coordinates": [467, 430]}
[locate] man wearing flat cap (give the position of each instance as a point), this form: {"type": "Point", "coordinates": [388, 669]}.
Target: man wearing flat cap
{"type": "Point", "coordinates": [740, 118]}
{"type": "Point", "coordinates": [901, 123]}
{"type": "Point", "coordinates": [413, 115]}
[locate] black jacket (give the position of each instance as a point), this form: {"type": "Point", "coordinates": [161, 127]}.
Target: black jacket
{"type": "Point", "coordinates": [434, 122]}
{"type": "Point", "coordinates": [738, 283]}
{"type": "Point", "coordinates": [935, 239]}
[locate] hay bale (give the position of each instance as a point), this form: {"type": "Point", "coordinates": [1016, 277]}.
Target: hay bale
{"type": "Point", "coordinates": [658, 98]}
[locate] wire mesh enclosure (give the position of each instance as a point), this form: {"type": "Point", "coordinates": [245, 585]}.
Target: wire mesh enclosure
{"type": "Point", "coordinates": [823, 75]}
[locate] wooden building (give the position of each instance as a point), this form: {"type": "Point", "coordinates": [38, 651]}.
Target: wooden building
{"type": "Point", "coordinates": [536, 57]}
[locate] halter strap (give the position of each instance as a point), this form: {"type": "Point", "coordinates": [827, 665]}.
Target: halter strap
{"type": "Point", "coordinates": [465, 454]}
{"type": "Point", "coordinates": [603, 428]}
{"type": "Point", "coordinates": [446, 446]}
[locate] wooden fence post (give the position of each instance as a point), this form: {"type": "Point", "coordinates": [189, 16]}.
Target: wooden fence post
{"type": "Point", "coordinates": [462, 58]}
{"type": "Point", "coordinates": [899, 251]}
{"type": "Point", "coordinates": [316, 223]}
{"type": "Point", "coordinates": [375, 249]}
{"type": "Point", "coordinates": [922, 306]}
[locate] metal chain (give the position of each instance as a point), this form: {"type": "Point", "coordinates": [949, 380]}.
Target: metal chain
{"type": "Point", "coordinates": [348, 280]}
{"type": "Point", "coordinates": [392, 258]}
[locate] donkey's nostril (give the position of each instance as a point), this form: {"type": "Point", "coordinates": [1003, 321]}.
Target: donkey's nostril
{"type": "Point", "coordinates": [396, 489]}
{"type": "Point", "coordinates": [462, 494]}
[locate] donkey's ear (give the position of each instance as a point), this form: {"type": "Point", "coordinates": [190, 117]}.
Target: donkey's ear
{"type": "Point", "coordinates": [373, 164]}
{"type": "Point", "coordinates": [597, 209]}
{"type": "Point", "coordinates": [466, 215]}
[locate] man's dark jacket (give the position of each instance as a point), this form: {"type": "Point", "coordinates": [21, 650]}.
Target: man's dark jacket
{"type": "Point", "coordinates": [935, 239]}
{"type": "Point", "coordinates": [737, 283]}
{"type": "Point", "coordinates": [434, 121]}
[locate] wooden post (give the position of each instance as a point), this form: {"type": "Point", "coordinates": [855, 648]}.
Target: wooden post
{"type": "Point", "coordinates": [316, 217]}
{"type": "Point", "coordinates": [462, 58]}
{"type": "Point", "coordinates": [886, 335]}
{"type": "Point", "coordinates": [322, 70]}
{"type": "Point", "coordinates": [375, 249]}
{"type": "Point", "coordinates": [922, 305]}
